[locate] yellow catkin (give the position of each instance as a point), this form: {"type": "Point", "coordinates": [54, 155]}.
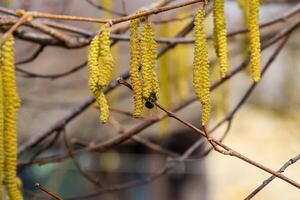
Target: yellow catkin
{"type": "Point", "coordinates": [254, 37]}
{"type": "Point", "coordinates": [11, 105]}
{"type": "Point", "coordinates": [220, 35]}
{"type": "Point", "coordinates": [100, 66]}
{"type": "Point", "coordinates": [106, 61]}
{"type": "Point", "coordinates": [19, 185]}
{"type": "Point", "coordinates": [112, 97]}
{"type": "Point", "coordinates": [134, 68]}
{"type": "Point", "coordinates": [93, 63]}
{"type": "Point", "coordinates": [148, 61]}
{"type": "Point", "coordinates": [1, 136]}
{"type": "Point", "coordinates": [201, 82]}
{"type": "Point", "coordinates": [103, 105]}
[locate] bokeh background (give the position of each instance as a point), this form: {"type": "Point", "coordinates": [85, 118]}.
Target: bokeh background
{"type": "Point", "coordinates": [265, 129]}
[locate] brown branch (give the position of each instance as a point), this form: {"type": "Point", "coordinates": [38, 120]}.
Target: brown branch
{"type": "Point", "coordinates": [32, 57]}
{"type": "Point", "coordinates": [143, 13]}
{"type": "Point", "coordinates": [77, 165]}
{"type": "Point", "coordinates": [41, 187]}
{"type": "Point", "coordinates": [271, 178]}
{"type": "Point", "coordinates": [29, 74]}
{"type": "Point", "coordinates": [48, 146]}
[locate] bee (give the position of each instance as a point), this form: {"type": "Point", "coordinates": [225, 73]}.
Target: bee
{"type": "Point", "coordinates": [151, 100]}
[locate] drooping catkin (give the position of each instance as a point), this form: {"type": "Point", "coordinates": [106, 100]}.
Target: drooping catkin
{"type": "Point", "coordinates": [93, 65]}
{"type": "Point", "coordinates": [1, 136]}
{"type": "Point", "coordinates": [134, 68]}
{"type": "Point", "coordinates": [100, 66]}
{"type": "Point", "coordinates": [148, 47]}
{"type": "Point", "coordinates": [103, 105]}
{"type": "Point", "coordinates": [254, 37]}
{"type": "Point", "coordinates": [201, 82]}
{"type": "Point", "coordinates": [220, 35]}
{"type": "Point", "coordinates": [106, 61]}
{"type": "Point", "coordinates": [107, 14]}
{"type": "Point", "coordinates": [11, 105]}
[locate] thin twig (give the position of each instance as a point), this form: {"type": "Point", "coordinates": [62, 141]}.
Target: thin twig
{"type": "Point", "coordinates": [271, 178]}
{"type": "Point", "coordinates": [32, 57]}
{"type": "Point", "coordinates": [77, 165]}
{"type": "Point", "coordinates": [41, 187]}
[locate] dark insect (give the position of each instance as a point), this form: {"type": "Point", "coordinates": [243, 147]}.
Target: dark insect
{"type": "Point", "coordinates": [149, 104]}
{"type": "Point", "coordinates": [151, 100]}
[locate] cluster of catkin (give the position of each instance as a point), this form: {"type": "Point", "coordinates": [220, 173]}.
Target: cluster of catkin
{"type": "Point", "coordinates": [143, 51]}
{"type": "Point", "coordinates": [100, 68]}
{"type": "Point", "coordinates": [201, 80]}
{"type": "Point", "coordinates": [9, 105]}
{"type": "Point", "coordinates": [143, 57]}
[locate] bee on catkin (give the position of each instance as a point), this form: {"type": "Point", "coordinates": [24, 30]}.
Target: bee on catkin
{"type": "Point", "coordinates": [100, 67]}
{"type": "Point", "coordinates": [11, 105]}
{"type": "Point", "coordinates": [148, 61]}
{"type": "Point", "coordinates": [134, 67]}
{"type": "Point", "coordinates": [201, 82]}
{"type": "Point", "coordinates": [220, 35]}
{"type": "Point", "coordinates": [254, 37]}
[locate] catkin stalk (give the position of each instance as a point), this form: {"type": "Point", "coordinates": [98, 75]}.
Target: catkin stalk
{"type": "Point", "coordinates": [220, 35]}
{"type": "Point", "coordinates": [134, 67]}
{"type": "Point", "coordinates": [201, 82]}
{"type": "Point", "coordinates": [11, 105]}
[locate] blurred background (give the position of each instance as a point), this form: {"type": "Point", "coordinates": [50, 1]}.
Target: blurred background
{"type": "Point", "coordinates": [265, 129]}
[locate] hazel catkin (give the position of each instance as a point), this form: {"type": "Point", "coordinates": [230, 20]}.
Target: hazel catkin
{"type": "Point", "coordinates": [148, 61]}
{"type": "Point", "coordinates": [93, 63]}
{"type": "Point", "coordinates": [103, 105]}
{"type": "Point", "coordinates": [134, 67]}
{"type": "Point", "coordinates": [1, 136]}
{"type": "Point", "coordinates": [100, 67]}
{"type": "Point", "coordinates": [201, 82]}
{"type": "Point", "coordinates": [254, 37]}
{"type": "Point", "coordinates": [11, 105]}
{"type": "Point", "coordinates": [220, 35]}
{"type": "Point", "coordinates": [106, 61]}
